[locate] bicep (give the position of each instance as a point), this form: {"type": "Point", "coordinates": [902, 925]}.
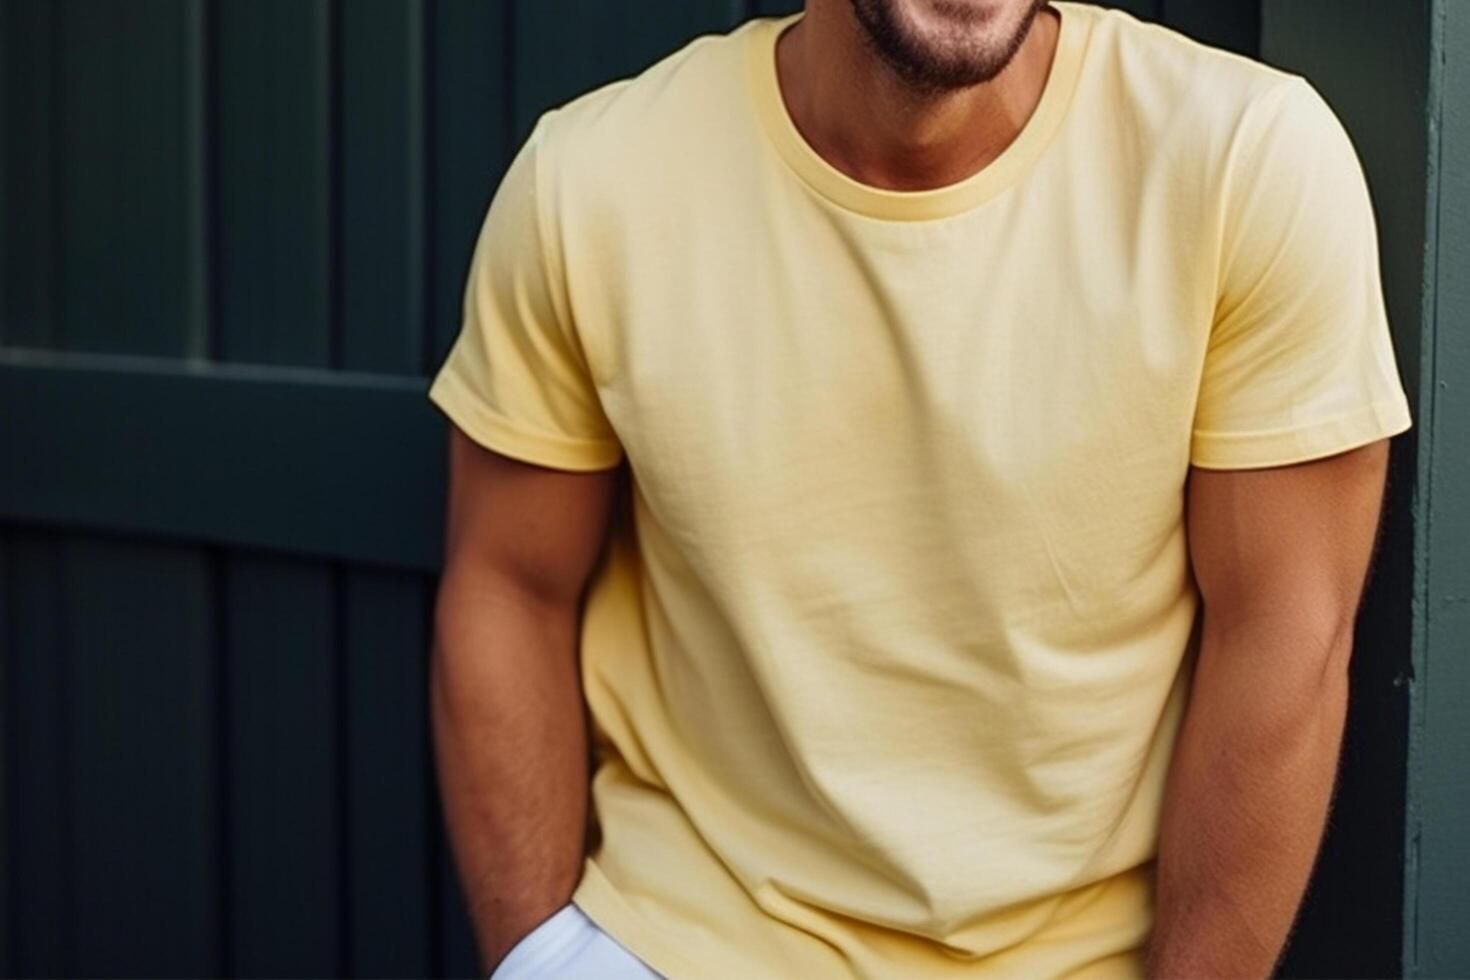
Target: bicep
{"type": "Point", "coordinates": [1286, 541]}
{"type": "Point", "coordinates": [537, 528]}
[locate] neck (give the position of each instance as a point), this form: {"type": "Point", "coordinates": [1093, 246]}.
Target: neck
{"type": "Point", "coordinates": [865, 120]}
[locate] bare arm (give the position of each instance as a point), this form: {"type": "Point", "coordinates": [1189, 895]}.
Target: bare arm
{"type": "Point", "coordinates": [506, 705]}
{"type": "Point", "coordinates": [1281, 557]}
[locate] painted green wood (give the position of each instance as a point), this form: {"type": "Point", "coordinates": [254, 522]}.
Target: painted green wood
{"type": "Point", "coordinates": [140, 759]}
{"type": "Point", "coordinates": [272, 142]}
{"type": "Point", "coordinates": [127, 202]}
{"type": "Point", "coordinates": [470, 127]}
{"type": "Point", "coordinates": [388, 778]}
{"type": "Point", "coordinates": [1438, 907]}
{"type": "Point", "coordinates": [287, 900]}
{"type": "Point", "coordinates": [381, 168]}
{"type": "Point", "coordinates": [127, 195]}
{"type": "Point", "coordinates": [36, 725]}
{"type": "Point", "coordinates": [7, 712]}
{"type": "Point", "coordinates": [348, 442]}
{"type": "Point", "coordinates": [27, 250]}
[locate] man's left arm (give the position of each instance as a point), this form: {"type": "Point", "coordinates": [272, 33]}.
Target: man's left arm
{"type": "Point", "coordinates": [1281, 555]}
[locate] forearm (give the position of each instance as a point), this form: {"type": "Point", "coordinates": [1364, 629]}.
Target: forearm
{"type": "Point", "coordinates": [1246, 800]}
{"type": "Point", "coordinates": [510, 753]}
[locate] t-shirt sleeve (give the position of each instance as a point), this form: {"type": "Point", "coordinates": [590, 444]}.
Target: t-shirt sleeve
{"type": "Point", "coordinates": [516, 378]}
{"type": "Point", "coordinates": [1299, 363]}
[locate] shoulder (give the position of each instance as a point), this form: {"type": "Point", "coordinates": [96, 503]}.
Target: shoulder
{"type": "Point", "coordinates": [1149, 59]}
{"type": "Point", "coordinates": [1171, 88]}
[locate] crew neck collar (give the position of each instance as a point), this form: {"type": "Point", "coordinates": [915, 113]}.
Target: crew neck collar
{"type": "Point", "coordinates": [937, 202]}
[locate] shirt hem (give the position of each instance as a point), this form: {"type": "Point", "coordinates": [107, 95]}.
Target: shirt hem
{"type": "Point", "coordinates": [603, 904]}
{"type": "Point", "coordinates": [1280, 447]}
{"type": "Point", "coordinates": [450, 393]}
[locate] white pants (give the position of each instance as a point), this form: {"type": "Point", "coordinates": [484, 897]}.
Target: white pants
{"type": "Point", "coordinates": [568, 945]}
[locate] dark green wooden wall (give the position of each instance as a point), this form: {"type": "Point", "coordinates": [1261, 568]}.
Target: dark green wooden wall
{"type": "Point", "coordinates": [234, 240]}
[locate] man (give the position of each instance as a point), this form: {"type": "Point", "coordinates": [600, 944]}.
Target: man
{"type": "Point", "coordinates": [995, 380]}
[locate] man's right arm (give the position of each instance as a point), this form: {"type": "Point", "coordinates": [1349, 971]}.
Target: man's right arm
{"type": "Point", "coordinates": [506, 705]}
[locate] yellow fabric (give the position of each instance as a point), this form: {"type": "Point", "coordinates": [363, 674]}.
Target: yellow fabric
{"type": "Point", "coordinates": [888, 651]}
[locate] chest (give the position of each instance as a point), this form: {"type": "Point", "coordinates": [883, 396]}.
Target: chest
{"type": "Point", "coordinates": [948, 393]}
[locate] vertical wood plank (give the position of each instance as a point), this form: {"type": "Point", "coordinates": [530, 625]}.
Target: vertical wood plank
{"type": "Point", "coordinates": [287, 902]}
{"type": "Point", "coordinates": [27, 243]}
{"type": "Point", "coordinates": [1440, 760]}
{"type": "Point", "coordinates": [388, 776]}
{"type": "Point", "coordinates": [382, 169]}
{"type": "Point", "coordinates": [7, 741]}
{"type": "Point", "coordinates": [143, 819]}
{"type": "Point", "coordinates": [37, 728]}
{"type": "Point", "coordinates": [469, 121]}
{"type": "Point", "coordinates": [127, 181]}
{"type": "Point", "coordinates": [273, 127]}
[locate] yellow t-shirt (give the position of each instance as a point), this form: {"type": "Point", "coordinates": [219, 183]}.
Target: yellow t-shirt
{"type": "Point", "coordinates": [888, 650]}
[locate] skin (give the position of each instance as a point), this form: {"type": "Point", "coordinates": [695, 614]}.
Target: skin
{"type": "Point", "coordinates": [506, 706]}
{"type": "Point", "coordinates": [1281, 556]}
{"type": "Point", "coordinates": [839, 75]}
{"type": "Point", "coordinates": [910, 95]}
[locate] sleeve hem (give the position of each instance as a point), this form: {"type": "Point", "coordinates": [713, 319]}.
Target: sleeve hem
{"type": "Point", "coordinates": [495, 432]}
{"type": "Point", "coordinates": [1280, 447]}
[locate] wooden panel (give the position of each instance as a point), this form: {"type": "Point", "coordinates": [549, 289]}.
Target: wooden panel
{"type": "Point", "coordinates": [272, 143]}
{"type": "Point", "coordinates": [129, 191]}
{"type": "Point", "coordinates": [27, 275]}
{"type": "Point", "coordinates": [388, 773]}
{"type": "Point", "coordinates": [470, 114]}
{"type": "Point", "coordinates": [141, 761]}
{"type": "Point", "coordinates": [7, 710]}
{"type": "Point", "coordinates": [381, 168]}
{"type": "Point", "coordinates": [285, 843]}
{"type": "Point", "coordinates": [36, 733]}
{"type": "Point", "coordinates": [204, 453]}
{"type": "Point", "coordinates": [1439, 804]}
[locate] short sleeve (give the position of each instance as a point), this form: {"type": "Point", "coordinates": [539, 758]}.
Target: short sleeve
{"type": "Point", "coordinates": [516, 378]}
{"type": "Point", "coordinates": [1299, 364]}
